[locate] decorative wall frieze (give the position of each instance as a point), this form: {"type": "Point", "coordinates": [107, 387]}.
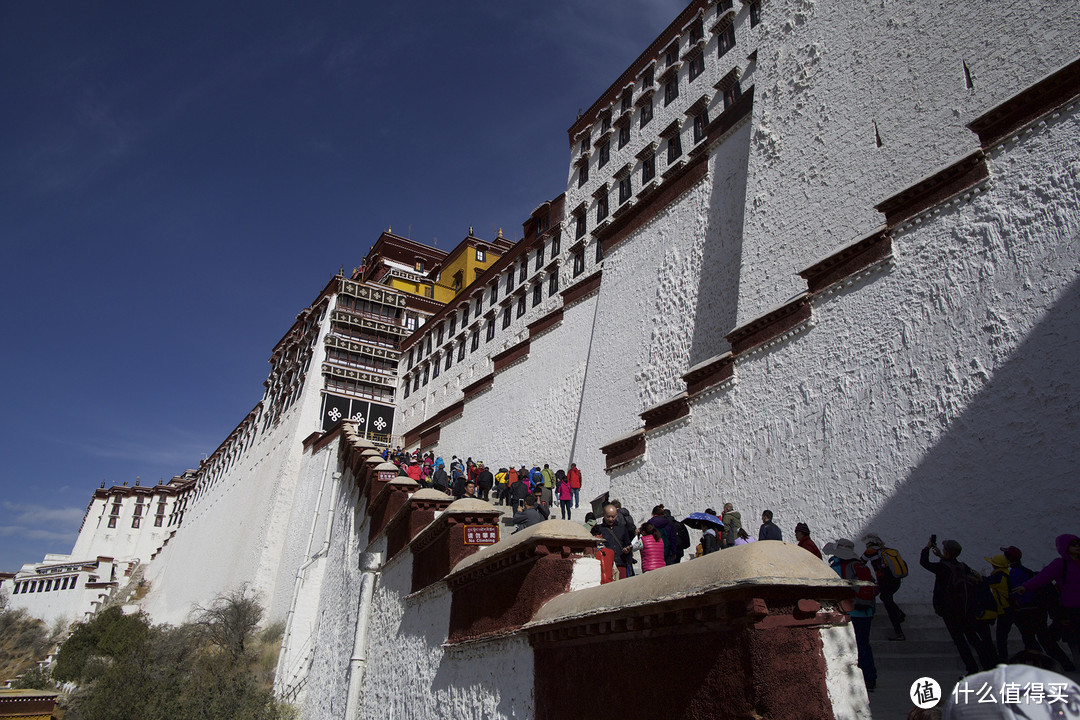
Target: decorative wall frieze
{"type": "Point", "coordinates": [949, 181]}
{"type": "Point", "coordinates": [849, 260]}
{"type": "Point", "coordinates": [1030, 104]}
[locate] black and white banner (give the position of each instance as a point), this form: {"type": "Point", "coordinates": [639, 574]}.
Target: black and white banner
{"type": "Point", "coordinates": [369, 417]}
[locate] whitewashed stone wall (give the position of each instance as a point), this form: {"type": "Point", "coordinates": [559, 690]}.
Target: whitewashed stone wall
{"type": "Point", "coordinates": [935, 395]}
{"type": "Point", "coordinates": [829, 73]}
{"type": "Point", "coordinates": [251, 525]}
{"type": "Point", "coordinates": [530, 414]}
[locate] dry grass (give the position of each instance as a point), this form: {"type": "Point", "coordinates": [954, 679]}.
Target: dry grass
{"type": "Point", "coordinates": [24, 641]}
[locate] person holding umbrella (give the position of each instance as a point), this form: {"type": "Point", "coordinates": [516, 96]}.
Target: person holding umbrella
{"type": "Point", "coordinates": [711, 526]}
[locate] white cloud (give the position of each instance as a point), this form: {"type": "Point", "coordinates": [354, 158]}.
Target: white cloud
{"type": "Point", "coordinates": [40, 515]}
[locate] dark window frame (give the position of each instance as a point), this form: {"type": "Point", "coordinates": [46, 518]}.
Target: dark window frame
{"type": "Point", "coordinates": [538, 294]}
{"type": "Point", "coordinates": [646, 112]}
{"type": "Point", "coordinates": [674, 148]}
{"type": "Point", "coordinates": [553, 282]}
{"type": "Point", "coordinates": [648, 168]}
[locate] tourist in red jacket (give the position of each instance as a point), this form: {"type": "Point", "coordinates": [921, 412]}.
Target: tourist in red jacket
{"type": "Point", "coordinates": [574, 478]}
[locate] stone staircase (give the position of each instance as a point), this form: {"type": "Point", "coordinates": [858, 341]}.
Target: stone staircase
{"type": "Point", "coordinates": [927, 652]}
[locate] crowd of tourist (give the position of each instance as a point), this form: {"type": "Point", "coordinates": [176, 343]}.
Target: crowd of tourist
{"type": "Point", "coordinates": [1044, 606]}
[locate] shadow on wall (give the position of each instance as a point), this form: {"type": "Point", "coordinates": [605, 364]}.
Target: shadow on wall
{"type": "Point", "coordinates": [1004, 473]}
{"type": "Point", "coordinates": [718, 285]}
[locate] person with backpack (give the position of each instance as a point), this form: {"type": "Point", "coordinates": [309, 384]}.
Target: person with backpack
{"type": "Point", "coordinates": [848, 565]}
{"type": "Point", "coordinates": [890, 570]}
{"type": "Point", "coordinates": [1029, 612]}
{"type": "Point", "coordinates": [955, 601]}
{"type": "Point", "coordinates": [1063, 571]}
{"type": "Point", "coordinates": [682, 535]}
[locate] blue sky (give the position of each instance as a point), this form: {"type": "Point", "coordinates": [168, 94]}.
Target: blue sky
{"type": "Point", "coordinates": [181, 179]}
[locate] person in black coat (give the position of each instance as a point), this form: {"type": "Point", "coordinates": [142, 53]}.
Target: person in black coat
{"type": "Point", "coordinates": [531, 514]}
{"type": "Point", "coordinates": [484, 481]}
{"type": "Point", "coordinates": [615, 537]}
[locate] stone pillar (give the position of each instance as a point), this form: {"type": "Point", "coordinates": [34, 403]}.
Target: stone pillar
{"type": "Point", "coordinates": [414, 516]}
{"type": "Point", "coordinates": [441, 545]}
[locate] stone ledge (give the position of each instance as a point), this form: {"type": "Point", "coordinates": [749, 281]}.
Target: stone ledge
{"type": "Point", "coordinates": [708, 373]}
{"type": "Point", "coordinates": [472, 390]}
{"type": "Point", "coordinates": [936, 188]}
{"type": "Point", "coordinates": [770, 325]}
{"type": "Point", "coordinates": [665, 412]}
{"type": "Point", "coordinates": [624, 449]}
{"type": "Point", "coordinates": [386, 503]}
{"type": "Point", "coordinates": [1028, 105]}
{"type": "Point", "coordinates": [848, 261]}
{"type": "Point", "coordinates": [510, 355]}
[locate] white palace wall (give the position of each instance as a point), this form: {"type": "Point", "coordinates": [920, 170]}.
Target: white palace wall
{"type": "Point", "coordinates": [832, 77]}
{"type": "Point", "coordinates": [665, 303]}
{"type": "Point", "coordinates": [251, 524]}
{"type": "Point", "coordinates": [935, 393]}
{"type": "Point", "coordinates": [529, 414]}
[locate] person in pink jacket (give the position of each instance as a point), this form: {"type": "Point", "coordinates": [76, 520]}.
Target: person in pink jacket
{"type": "Point", "coordinates": [566, 498]}
{"type": "Point", "coordinates": [652, 548]}
{"type": "Point", "coordinates": [1063, 571]}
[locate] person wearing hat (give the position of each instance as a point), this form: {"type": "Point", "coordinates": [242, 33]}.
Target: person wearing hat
{"type": "Point", "coordinates": [802, 534]}
{"type": "Point", "coordinates": [887, 583]}
{"type": "Point", "coordinates": [959, 621]}
{"type": "Point", "coordinates": [848, 565]}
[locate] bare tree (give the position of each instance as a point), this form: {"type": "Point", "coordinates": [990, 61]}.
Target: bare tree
{"type": "Point", "coordinates": [230, 620]}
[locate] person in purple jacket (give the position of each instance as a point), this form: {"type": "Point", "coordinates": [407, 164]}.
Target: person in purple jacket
{"type": "Point", "coordinates": [1065, 572]}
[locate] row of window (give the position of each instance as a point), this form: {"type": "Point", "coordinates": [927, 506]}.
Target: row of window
{"type": "Point", "coordinates": [355, 388]}
{"type": "Point", "coordinates": [670, 75]}
{"type": "Point", "coordinates": [33, 586]}
{"type": "Point", "coordinates": [432, 370]}
{"type": "Point", "coordinates": [519, 270]}
{"type": "Point", "coordinates": [346, 358]}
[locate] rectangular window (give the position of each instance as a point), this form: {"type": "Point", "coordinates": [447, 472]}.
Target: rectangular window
{"type": "Point", "coordinates": [601, 205]}
{"type": "Point", "coordinates": [461, 350]}
{"type": "Point", "coordinates": [696, 32]}
{"type": "Point", "coordinates": [555, 245]}
{"type": "Point", "coordinates": [671, 89]}
{"type": "Point", "coordinates": [701, 121]}
{"type": "Point", "coordinates": [585, 142]}
{"type": "Point", "coordinates": [157, 521]}
{"type": "Point", "coordinates": [579, 227]}
{"type": "Point", "coordinates": [416, 382]}
{"type": "Point", "coordinates": [697, 66]}
{"type": "Point", "coordinates": [439, 335]}
{"type": "Point", "coordinates": [538, 294]}
{"type": "Point", "coordinates": [647, 78]}
{"type": "Point", "coordinates": [725, 41]}
{"type": "Point", "coordinates": [674, 148]}
{"type": "Point", "coordinates": [74, 581]}
{"type": "Point", "coordinates": [755, 13]}
{"type": "Point", "coordinates": [553, 282]}
{"type": "Point", "coordinates": [427, 346]}
{"type": "Point", "coordinates": [481, 256]}
{"type": "Point", "coordinates": [524, 271]}
{"type": "Point", "coordinates": [449, 357]}
{"type": "Point", "coordinates": [475, 341]}
{"type": "Point", "coordinates": [732, 94]}
{"type": "Point", "coordinates": [605, 123]}
{"type": "Point", "coordinates": [490, 329]}
{"type": "Point", "coordinates": [509, 281]}
{"type": "Point", "coordinates": [494, 298]}
{"type": "Point", "coordinates": [540, 256]}
{"type": "Point", "coordinates": [646, 112]}
{"type": "Point", "coordinates": [541, 224]}
{"type": "Point", "coordinates": [464, 315]}
{"type": "Point", "coordinates": [624, 134]}
{"type": "Point", "coordinates": [648, 168]}
{"type": "Point", "coordinates": [435, 368]}
{"type": "Point", "coordinates": [479, 304]}
{"type": "Point", "coordinates": [138, 510]}
{"type": "Point", "coordinates": [672, 56]}
{"type": "Point", "coordinates": [599, 251]}
{"type": "Point", "coordinates": [625, 189]}
{"type": "Point", "coordinates": [506, 317]}
{"type": "Point", "coordinates": [603, 154]}
{"type": "Point", "coordinates": [521, 305]}
{"type": "Point", "coordinates": [583, 172]}
{"type": "Point", "coordinates": [135, 522]}
{"type": "Point", "coordinates": [579, 261]}
{"type": "Point", "coordinates": [427, 374]}
{"type": "Point", "coordinates": [453, 324]}
{"type": "Point", "coordinates": [112, 522]}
